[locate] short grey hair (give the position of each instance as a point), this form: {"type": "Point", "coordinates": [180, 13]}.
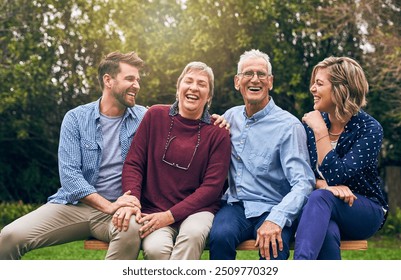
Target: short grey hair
{"type": "Point", "coordinates": [200, 66]}
{"type": "Point", "coordinates": [254, 54]}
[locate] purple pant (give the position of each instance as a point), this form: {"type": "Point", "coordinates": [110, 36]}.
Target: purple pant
{"type": "Point", "coordinates": [326, 220]}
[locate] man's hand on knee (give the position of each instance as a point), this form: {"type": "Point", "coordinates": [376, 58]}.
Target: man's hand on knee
{"type": "Point", "coordinates": [122, 217]}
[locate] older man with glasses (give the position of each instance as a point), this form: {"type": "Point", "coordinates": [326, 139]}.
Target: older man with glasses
{"type": "Point", "coordinates": [176, 166]}
{"type": "Point", "coordinates": [270, 177]}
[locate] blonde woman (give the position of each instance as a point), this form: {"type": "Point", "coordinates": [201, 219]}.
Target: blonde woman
{"type": "Point", "coordinates": [344, 143]}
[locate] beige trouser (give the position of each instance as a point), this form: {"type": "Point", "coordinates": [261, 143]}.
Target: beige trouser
{"type": "Point", "coordinates": [53, 224]}
{"type": "Point", "coordinates": [183, 243]}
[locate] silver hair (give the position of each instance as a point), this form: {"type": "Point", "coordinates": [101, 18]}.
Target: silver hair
{"type": "Point", "coordinates": [254, 54]}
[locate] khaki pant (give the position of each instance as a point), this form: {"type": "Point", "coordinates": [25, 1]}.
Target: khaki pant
{"type": "Point", "coordinates": [183, 243]}
{"type": "Point", "coordinates": [54, 224]}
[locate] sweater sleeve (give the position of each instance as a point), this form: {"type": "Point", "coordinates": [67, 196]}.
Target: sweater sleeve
{"type": "Point", "coordinates": [135, 162]}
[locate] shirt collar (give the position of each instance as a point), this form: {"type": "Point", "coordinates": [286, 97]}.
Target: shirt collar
{"type": "Point", "coordinates": [206, 117]}
{"type": "Point", "coordinates": [262, 113]}
{"type": "Point", "coordinates": [97, 109]}
{"type": "Point", "coordinates": [127, 112]}
{"type": "Point", "coordinates": [352, 124]}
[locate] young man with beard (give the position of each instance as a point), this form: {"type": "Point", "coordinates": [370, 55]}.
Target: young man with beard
{"type": "Point", "coordinates": [94, 141]}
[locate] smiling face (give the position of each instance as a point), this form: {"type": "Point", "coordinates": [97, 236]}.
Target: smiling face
{"type": "Point", "coordinates": [255, 91]}
{"type": "Point", "coordinates": [193, 94]}
{"type": "Point", "coordinates": [321, 90]}
{"type": "Point", "coordinates": [125, 86]}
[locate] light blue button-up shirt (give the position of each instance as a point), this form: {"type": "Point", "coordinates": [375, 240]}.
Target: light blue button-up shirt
{"type": "Point", "coordinates": [270, 169]}
{"type": "Point", "coordinates": [81, 147]}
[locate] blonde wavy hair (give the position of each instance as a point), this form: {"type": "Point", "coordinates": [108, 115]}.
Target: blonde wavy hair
{"type": "Point", "coordinates": [349, 85]}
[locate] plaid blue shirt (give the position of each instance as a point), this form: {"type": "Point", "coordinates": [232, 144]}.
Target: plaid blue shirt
{"type": "Point", "coordinates": [81, 147]}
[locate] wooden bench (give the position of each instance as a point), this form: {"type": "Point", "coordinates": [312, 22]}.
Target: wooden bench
{"type": "Point", "coordinates": [94, 244]}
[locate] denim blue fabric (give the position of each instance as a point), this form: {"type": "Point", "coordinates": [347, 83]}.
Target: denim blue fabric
{"type": "Point", "coordinates": [231, 227]}
{"type": "Point", "coordinates": [81, 148]}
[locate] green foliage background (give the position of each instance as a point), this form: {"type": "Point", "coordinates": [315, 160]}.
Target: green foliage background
{"type": "Point", "coordinates": [50, 49]}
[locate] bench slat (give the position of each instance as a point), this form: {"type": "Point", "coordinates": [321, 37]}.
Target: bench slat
{"type": "Point", "coordinates": [94, 244]}
{"type": "Point", "coordinates": [345, 245]}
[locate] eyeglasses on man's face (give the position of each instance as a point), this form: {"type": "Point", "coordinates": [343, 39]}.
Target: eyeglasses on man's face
{"type": "Point", "coordinates": [249, 75]}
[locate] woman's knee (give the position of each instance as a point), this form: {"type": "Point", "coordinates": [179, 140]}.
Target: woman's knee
{"type": "Point", "coordinates": [157, 250]}
{"type": "Point", "coordinates": [318, 194]}
{"type": "Point", "coordinates": [320, 197]}
{"type": "Point", "coordinates": [196, 226]}
{"type": "Point", "coordinates": [159, 244]}
{"type": "Point", "coordinates": [201, 232]}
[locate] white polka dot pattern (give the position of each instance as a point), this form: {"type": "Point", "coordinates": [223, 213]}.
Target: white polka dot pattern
{"type": "Point", "coordinates": [354, 160]}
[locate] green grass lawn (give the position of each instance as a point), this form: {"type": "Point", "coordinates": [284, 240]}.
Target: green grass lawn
{"type": "Point", "coordinates": [379, 248]}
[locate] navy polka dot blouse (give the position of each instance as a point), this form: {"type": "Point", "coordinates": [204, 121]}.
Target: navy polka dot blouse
{"type": "Point", "coordinates": [354, 160]}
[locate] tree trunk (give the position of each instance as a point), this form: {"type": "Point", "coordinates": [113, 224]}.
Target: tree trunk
{"type": "Point", "coordinates": [393, 187]}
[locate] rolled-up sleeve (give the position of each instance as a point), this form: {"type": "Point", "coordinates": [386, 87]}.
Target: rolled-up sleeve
{"type": "Point", "coordinates": [74, 185]}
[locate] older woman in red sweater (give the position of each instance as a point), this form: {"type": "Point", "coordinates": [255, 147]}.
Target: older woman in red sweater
{"type": "Point", "coordinates": [176, 167]}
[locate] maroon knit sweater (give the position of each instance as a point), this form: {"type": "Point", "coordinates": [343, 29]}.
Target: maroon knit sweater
{"type": "Point", "coordinates": [160, 186]}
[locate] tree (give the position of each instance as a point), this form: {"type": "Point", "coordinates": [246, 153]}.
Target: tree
{"type": "Point", "coordinates": [48, 52]}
